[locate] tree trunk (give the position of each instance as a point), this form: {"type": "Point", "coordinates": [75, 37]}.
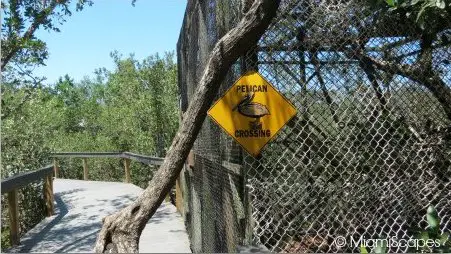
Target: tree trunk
{"type": "Point", "coordinates": [121, 231]}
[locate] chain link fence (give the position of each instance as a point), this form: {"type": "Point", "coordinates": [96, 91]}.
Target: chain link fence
{"type": "Point", "coordinates": [368, 151]}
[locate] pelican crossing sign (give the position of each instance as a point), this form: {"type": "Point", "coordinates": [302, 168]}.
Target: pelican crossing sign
{"type": "Point", "coordinates": [252, 112]}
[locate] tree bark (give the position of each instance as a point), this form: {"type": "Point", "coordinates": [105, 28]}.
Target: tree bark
{"type": "Point", "coordinates": [121, 231]}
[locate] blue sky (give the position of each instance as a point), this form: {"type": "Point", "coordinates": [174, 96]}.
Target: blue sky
{"type": "Point", "coordinates": [88, 37]}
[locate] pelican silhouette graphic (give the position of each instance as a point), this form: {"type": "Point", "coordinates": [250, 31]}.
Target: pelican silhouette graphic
{"type": "Point", "coordinates": [252, 109]}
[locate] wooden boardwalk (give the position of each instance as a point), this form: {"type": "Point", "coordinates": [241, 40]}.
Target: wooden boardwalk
{"type": "Point", "coordinates": [79, 209]}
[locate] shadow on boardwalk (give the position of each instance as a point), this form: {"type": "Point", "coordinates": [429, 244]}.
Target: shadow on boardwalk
{"type": "Point", "coordinates": [80, 207]}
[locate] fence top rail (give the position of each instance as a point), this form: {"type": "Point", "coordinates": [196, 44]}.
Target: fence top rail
{"type": "Point", "coordinates": [87, 154]}
{"type": "Point", "coordinates": [143, 158]}
{"type": "Point", "coordinates": [25, 178]}
{"type": "Point", "coordinates": [126, 155]}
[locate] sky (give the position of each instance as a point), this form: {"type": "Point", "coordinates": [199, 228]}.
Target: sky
{"type": "Point", "coordinates": [87, 37]}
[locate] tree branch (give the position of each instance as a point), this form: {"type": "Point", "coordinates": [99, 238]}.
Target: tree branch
{"type": "Point", "coordinates": [39, 20]}
{"type": "Point", "coordinates": [418, 73]}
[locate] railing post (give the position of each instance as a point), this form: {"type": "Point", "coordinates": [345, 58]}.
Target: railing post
{"type": "Point", "coordinates": [55, 167]}
{"type": "Point", "coordinates": [48, 194]}
{"type": "Point", "coordinates": [127, 170]}
{"type": "Point", "coordinates": [13, 218]}
{"type": "Point", "coordinates": [85, 169]}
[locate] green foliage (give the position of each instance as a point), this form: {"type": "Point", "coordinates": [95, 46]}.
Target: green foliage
{"type": "Point", "coordinates": [363, 250]}
{"type": "Point", "coordinates": [23, 148]}
{"type": "Point", "coordinates": [381, 248]}
{"type": "Point", "coordinates": [5, 238]}
{"type": "Point", "coordinates": [131, 108]}
{"type": "Point", "coordinates": [21, 50]}
{"type": "Point", "coordinates": [440, 242]}
{"type": "Point", "coordinates": [110, 113]}
{"type": "Point", "coordinates": [432, 234]}
{"type": "Point", "coordinates": [431, 16]}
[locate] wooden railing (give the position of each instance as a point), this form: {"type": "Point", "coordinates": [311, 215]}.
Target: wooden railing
{"type": "Point", "coordinates": [149, 160]}
{"type": "Point", "coordinates": [11, 185]}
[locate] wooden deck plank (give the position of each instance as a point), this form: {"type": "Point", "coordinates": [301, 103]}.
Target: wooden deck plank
{"type": "Point", "coordinates": [79, 209]}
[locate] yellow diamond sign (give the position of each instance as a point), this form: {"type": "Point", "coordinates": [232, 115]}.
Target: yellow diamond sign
{"type": "Point", "coordinates": [252, 112]}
